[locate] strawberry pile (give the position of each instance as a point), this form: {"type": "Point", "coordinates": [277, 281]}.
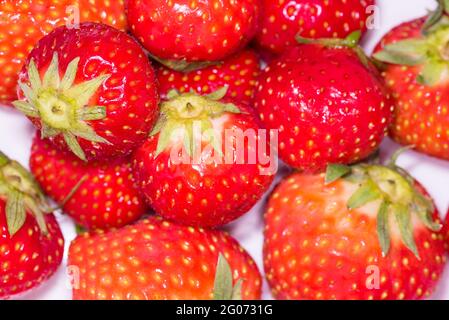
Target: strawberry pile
{"type": "Point", "coordinates": [157, 123]}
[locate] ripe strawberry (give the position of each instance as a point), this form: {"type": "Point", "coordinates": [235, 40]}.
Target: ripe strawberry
{"type": "Point", "coordinates": [238, 73]}
{"type": "Point", "coordinates": [91, 90]}
{"type": "Point", "coordinates": [23, 23]}
{"type": "Point", "coordinates": [31, 243]}
{"type": "Point", "coordinates": [446, 230]}
{"type": "Point", "coordinates": [327, 101]}
{"type": "Point", "coordinates": [417, 71]}
{"type": "Point", "coordinates": [106, 197]}
{"type": "Point", "coordinates": [185, 31]}
{"type": "Point", "coordinates": [361, 232]}
{"type": "Point", "coordinates": [283, 20]}
{"type": "Point", "coordinates": [197, 168]}
{"type": "Point", "coordinates": [158, 260]}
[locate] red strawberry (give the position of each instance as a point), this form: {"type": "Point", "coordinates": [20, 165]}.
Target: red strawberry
{"type": "Point", "coordinates": [417, 71]}
{"type": "Point", "coordinates": [283, 20]}
{"type": "Point", "coordinates": [193, 31]}
{"type": "Point", "coordinates": [106, 196]}
{"type": "Point", "coordinates": [194, 169]}
{"type": "Point", "coordinates": [23, 23]}
{"type": "Point", "coordinates": [31, 243]}
{"type": "Point", "coordinates": [91, 90]}
{"type": "Point", "coordinates": [361, 232]}
{"type": "Point", "coordinates": [158, 260]}
{"type": "Point", "coordinates": [238, 73]}
{"type": "Point", "coordinates": [327, 101]}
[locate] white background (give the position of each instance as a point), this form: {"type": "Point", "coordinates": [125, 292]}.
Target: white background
{"type": "Point", "coordinates": [16, 134]}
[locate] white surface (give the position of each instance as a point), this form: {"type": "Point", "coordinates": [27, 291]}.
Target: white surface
{"type": "Point", "coordinates": [16, 133]}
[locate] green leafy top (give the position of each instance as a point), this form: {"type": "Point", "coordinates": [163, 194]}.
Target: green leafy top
{"type": "Point", "coordinates": [223, 285]}
{"type": "Point", "coordinates": [397, 193]}
{"type": "Point", "coordinates": [430, 51]}
{"type": "Point", "coordinates": [21, 194]}
{"type": "Point", "coordinates": [351, 41]}
{"type": "Point", "coordinates": [189, 112]}
{"type": "Point", "coordinates": [61, 105]}
{"type": "Point", "coordinates": [184, 65]}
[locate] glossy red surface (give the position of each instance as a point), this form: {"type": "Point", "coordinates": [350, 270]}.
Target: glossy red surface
{"type": "Point", "coordinates": [282, 20]}
{"type": "Point", "coordinates": [192, 30]}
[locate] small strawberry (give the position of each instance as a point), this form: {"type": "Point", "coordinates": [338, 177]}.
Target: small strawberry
{"type": "Point", "coordinates": [181, 32]}
{"type": "Point", "coordinates": [417, 72]}
{"type": "Point", "coordinates": [91, 90]}
{"type": "Point", "coordinates": [23, 23]}
{"type": "Point", "coordinates": [361, 232]}
{"type": "Point", "coordinates": [197, 167]}
{"type": "Point", "coordinates": [327, 101]}
{"type": "Point", "coordinates": [238, 73]}
{"type": "Point", "coordinates": [283, 20]}
{"type": "Point", "coordinates": [31, 243]}
{"type": "Point", "coordinates": [104, 193]}
{"type": "Point", "coordinates": [446, 230]}
{"type": "Point", "coordinates": [158, 260]}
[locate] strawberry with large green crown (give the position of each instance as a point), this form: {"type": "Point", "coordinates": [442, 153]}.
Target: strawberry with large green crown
{"type": "Point", "coordinates": [90, 90]}
{"type": "Point", "coordinates": [31, 242]}
{"type": "Point", "coordinates": [367, 231]}
{"type": "Point", "coordinates": [194, 169]}
{"type": "Point", "coordinates": [416, 58]}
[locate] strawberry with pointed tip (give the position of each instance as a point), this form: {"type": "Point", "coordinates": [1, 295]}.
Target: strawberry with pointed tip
{"type": "Point", "coordinates": [283, 20]}
{"type": "Point", "coordinates": [158, 260]}
{"type": "Point", "coordinates": [328, 102]}
{"type": "Point", "coordinates": [446, 230]}
{"type": "Point", "coordinates": [369, 231]}
{"type": "Point", "coordinates": [96, 195]}
{"type": "Point", "coordinates": [416, 71]}
{"type": "Point", "coordinates": [187, 34]}
{"type": "Point", "coordinates": [31, 243]}
{"type": "Point", "coordinates": [206, 163]}
{"type": "Point", "coordinates": [90, 90]}
{"type": "Point", "coordinates": [238, 73]}
{"type": "Point", "coordinates": [33, 19]}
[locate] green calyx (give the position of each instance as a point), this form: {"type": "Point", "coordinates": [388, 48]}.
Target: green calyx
{"type": "Point", "coordinates": [224, 289]}
{"type": "Point", "coordinates": [183, 65]}
{"type": "Point", "coordinates": [430, 51]}
{"type": "Point", "coordinates": [21, 194]}
{"type": "Point", "coordinates": [61, 105]}
{"type": "Point", "coordinates": [191, 115]}
{"type": "Point", "coordinates": [351, 41]}
{"type": "Point", "coordinates": [397, 194]}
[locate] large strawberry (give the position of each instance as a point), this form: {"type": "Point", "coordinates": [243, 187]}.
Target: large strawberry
{"type": "Point", "coordinates": [158, 260]}
{"type": "Point", "coordinates": [99, 195]}
{"type": "Point", "coordinates": [361, 232]}
{"type": "Point", "coordinates": [31, 243]}
{"type": "Point", "coordinates": [181, 32]}
{"type": "Point", "coordinates": [91, 90]}
{"type": "Point", "coordinates": [238, 73]}
{"type": "Point", "coordinates": [328, 102]}
{"type": "Point", "coordinates": [417, 71]}
{"type": "Point", "coordinates": [23, 23]}
{"type": "Point", "coordinates": [283, 20]}
{"type": "Point", "coordinates": [205, 164]}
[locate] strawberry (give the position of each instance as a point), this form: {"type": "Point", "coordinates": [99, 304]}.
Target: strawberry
{"type": "Point", "coordinates": [446, 230]}
{"type": "Point", "coordinates": [23, 23]}
{"type": "Point", "coordinates": [158, 260]}
{"type": "Point", "coordinates": [327, 101]}
{"type": "Point", "coordinates": [238, 73]}
{"type": "Point", "coordinates": [105, 194]}
{"type": "Point", "coordinates": [90, 90]}
{"type": "Point", "coordinates": [283, 20]}
{"type": "Point", "coordinates": [195, 169]}
{"type": "Point", "coordinates": [31, 243]}
{"type": "Point", "coordinates": [360, 232]}
{"type": "Point", "coordinates": [183, 32]}
{"type": "Point", "coordinates": [416, 72]}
